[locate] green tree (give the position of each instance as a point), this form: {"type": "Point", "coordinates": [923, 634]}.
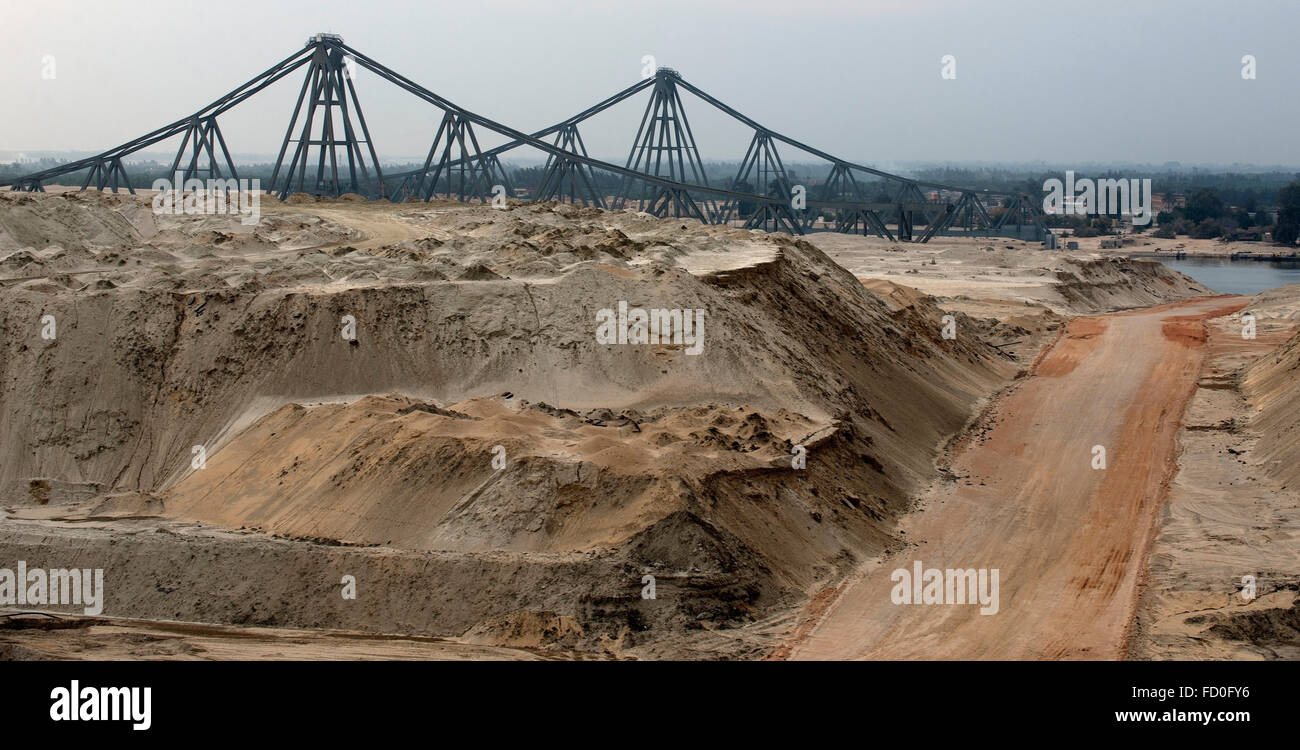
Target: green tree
{"type": "Point", "coordinates": [1207, 229]}
{"type": "Point", "coordinates": [1204, 204]}
{"type": "Point", "coordinates": [1288, 214]}
{"type": "Point", "coordinates": [744, 207]}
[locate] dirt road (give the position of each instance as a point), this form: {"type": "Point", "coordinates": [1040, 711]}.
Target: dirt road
{"type": "Point", "coordinates": [1069, 540]}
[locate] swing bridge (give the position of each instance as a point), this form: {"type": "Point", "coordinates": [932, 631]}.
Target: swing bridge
{"type": "Point", "coordinates": [328, 150]}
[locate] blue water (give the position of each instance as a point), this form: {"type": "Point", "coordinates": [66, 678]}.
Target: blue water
{"type": "Point", "coordinates": [1237, 276]}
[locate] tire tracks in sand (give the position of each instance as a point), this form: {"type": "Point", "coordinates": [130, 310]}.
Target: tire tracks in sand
{"type": "Point", "coordinates": [1070, 542]}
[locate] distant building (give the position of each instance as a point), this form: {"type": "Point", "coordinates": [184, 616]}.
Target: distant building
{"type": "Point", "coordinates": [1167, 201]}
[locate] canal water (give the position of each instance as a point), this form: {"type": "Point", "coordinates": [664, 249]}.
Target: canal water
{"type": "Point", "coordinates": [1237, 276]}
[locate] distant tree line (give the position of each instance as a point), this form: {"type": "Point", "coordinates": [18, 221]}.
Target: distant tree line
{"type": "Point", "coordinates": [1231, 205]}
{"type": "Point", "coordinates": [1207, 214]}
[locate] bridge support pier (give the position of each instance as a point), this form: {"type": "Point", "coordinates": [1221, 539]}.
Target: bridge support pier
{"type": "Point", "coordinates": [329, 84]}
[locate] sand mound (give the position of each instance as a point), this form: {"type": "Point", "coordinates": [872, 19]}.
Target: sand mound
{"type": "Point", "coordinates": [72, 220]}
{"type": "Point", "coordinates": [647, 457]}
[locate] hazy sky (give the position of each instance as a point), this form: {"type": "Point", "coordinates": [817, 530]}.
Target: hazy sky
{"type": "Point", "coordinates": [1088, 81]}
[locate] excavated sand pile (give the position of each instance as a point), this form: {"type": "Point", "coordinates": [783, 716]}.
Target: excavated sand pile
{"type": "Point", "coordinates": [501, 474]}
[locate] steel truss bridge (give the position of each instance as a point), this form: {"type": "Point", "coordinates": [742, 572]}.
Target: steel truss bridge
{"type": "Point", "coordinates": [327, 150]}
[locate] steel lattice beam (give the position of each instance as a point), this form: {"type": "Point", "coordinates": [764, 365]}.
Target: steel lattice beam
{"type": "Point", "coordinates": [230, 100]}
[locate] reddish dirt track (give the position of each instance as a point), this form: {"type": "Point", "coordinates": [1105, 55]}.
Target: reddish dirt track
{"type": "Point", "coordinates": [1069, 541]}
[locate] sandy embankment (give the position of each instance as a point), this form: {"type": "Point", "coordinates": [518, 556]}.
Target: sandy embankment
{"type": "Point", "coordinates": [1233, 516]}
{"type": "Point", "coordinates": [988, 274]}
{"type": "Point", "coordinates": [1154, 247]}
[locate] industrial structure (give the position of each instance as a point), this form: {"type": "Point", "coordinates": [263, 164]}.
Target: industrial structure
{"type": "Point", "coordinates": [327, 150]}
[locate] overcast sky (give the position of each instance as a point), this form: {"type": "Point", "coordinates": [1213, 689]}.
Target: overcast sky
{"type": "Point", "coordinates": [1144, 81]}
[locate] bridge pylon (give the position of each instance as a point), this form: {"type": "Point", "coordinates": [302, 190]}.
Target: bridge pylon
{"type": "Point", "coordinates": [842, 186]}
{"type": "Point", "coordinates": [108, 174]}
{"type": "Point", "coordinates": [565, 178]}
{"type": "Point", "coordinates": [198, 152]}
{"type": "Point", "coordinates": [330, 87]}
{"type": "Point", "coordinates": [762, 168]}
{"type": "Point", "coordinates": [456, 166]}
{"type": "Point", "coordinates": [665, 147]}
{"type": "Point", "coordinates": [1021, 212]}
